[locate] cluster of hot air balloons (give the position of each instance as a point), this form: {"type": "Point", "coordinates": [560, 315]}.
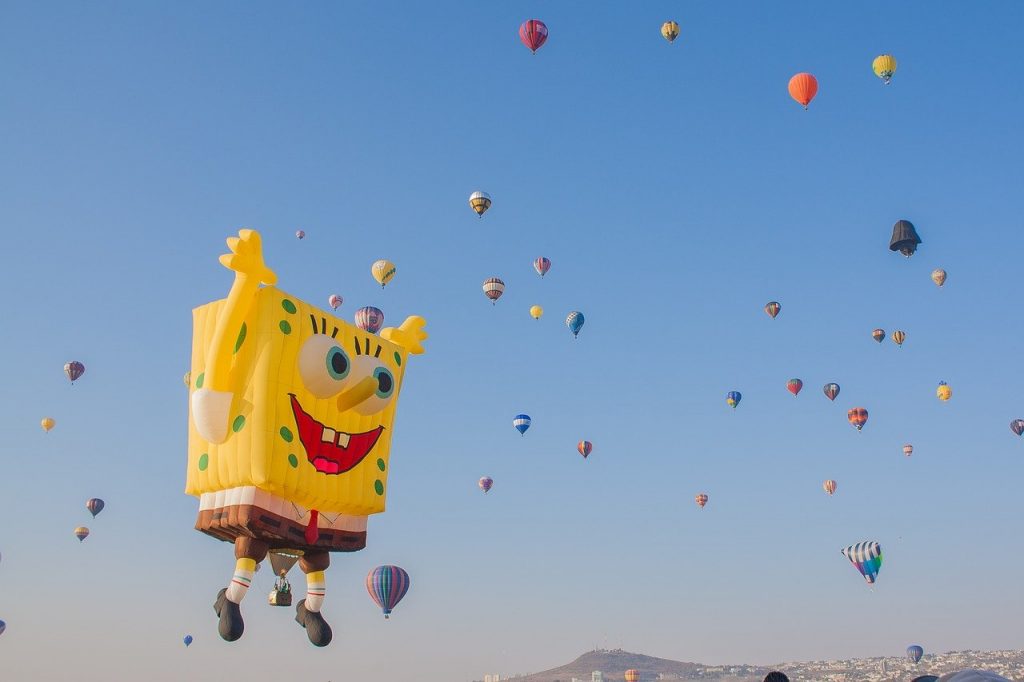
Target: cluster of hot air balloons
{"type": "Point", "coordinates": [804, 86]}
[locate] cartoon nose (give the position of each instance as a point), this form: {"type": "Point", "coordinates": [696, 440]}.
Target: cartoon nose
{"type": "Point", "coordinates": [357, 394]}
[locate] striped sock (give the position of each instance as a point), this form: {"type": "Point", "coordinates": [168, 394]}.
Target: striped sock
{"type": "Point", "coordinates": [316, 588]}
{"type": "Point", "coordinates": [240, 581]}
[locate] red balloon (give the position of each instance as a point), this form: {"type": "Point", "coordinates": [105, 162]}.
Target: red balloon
{"type": "Point", "coordinates": [533, 33]}
{"type": "Point", "coordinates": [794, 386]}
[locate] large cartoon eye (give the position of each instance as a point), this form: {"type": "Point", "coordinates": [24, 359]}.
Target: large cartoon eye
{"type": "Point", "coordinates": [324, 365]}
{"type": "Point", "coordinates": [385, 389]}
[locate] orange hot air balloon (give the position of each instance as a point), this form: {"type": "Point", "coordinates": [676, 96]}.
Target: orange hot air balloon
{"type": "Point", "coordinates": [858, 416]}
{"type": "Point", "coordinates": [632, 676]}
{"type": "Point", "coordinates": [829, 486]}
{"type": "Point", "coordinates": [899, 337]}
{"type": "Point", "coordinates": [803, 87]}
{"type": "Point", "coordinates": [701, 500]}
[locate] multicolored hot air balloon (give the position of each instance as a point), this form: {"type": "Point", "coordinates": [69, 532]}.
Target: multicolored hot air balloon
{"type": "Point", "coordinates": [866, 557]}
{"type": "Point", "coordinates": [335, 301]}
{"type": "Point", "coordinates": [47, 423]}
{"type": "Point", "coordinates": [480, 202]}
{"type": "Point", "coordinates": [884, 66]}
{"type": "Point", "coordinates": [878, 335]}
{"type": "Point", "coordinates": [908, 449]}
{"type": "Point", "coordinates": [701, 499]}
{"type": "Point", "coordinates": [632, 676]}
{"type": "Point", "coordinates": [899, 337]}
{"type": "Point", "coordinates": [533, 33]}
{"type": "Point", "coordinates": [858, 416]}
{"type": "Point", "coordinates": [914, 653]}
{"type": "Point", "coordinates": [772, 308]}
{"type": "Point", "coordinates": [939, 276]}
{"type": "Point", "coordinates": [585, 447]}
{"type": "Point", "coordinates": [944, 392]}
{"type": "Point", "coordinates": [187, 639]}
{"type": "Point", "coordinates": [3, 626]}
{"type": "Point", "coordinates": [574, 321]}
{"type": "Point", "coordinates": [536, 312]}
{"type": "Point", "coordinates": [1017, 426]}
{"type": "Point", "coordinates": [829, 486]}
{"type": "Point", "coordinates": [81, 533]}
{"type": "Point", "coordinates": [733, 398]}
{"type": "Point", "coordinates": [383, 271]}
{"type": "Point", "coordinates": [803, 87]}
{"type": "Point", "coordinates": [493, 289]}
{"type": "Point", "coordinates": [794, 386]}
{"type": "Point", "coordinates": [299, 234]}
{"type": "Point", "coordinates": [670, 31]}
{"type": "Point", "coordinates": [831, 390]}
{"type": "Point", "coordinates": [387, 585]}
{"type": "Point", "coordinates": [542, 265]}
{"type": "Point", "coordinates": [74, 370]}
{"type": "Point", "coordinates": [369, 319]}
{"type": "Point", "coordinates": [95, 506]}
{"type": "Point", "coordinates": [485, 483]}
{"type": "Point", "coordinates": [522, 423]}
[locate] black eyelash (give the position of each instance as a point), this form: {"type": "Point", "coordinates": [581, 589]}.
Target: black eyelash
{"type": "Point", "coordinates": [312, 319]}
{"type": "Point", "coordinates": [379, 349]}
{"type": "Point", "coordinates": [334, 334]}
{"type": "Point", "coordinates": [359, 349]}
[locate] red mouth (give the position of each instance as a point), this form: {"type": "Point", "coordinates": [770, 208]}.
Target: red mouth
{"type": "Point", "coordinates": [330, 451]}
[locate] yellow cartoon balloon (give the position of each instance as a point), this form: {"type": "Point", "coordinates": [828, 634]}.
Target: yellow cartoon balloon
{"type": "Point", "coordinates": [383, 271]}
{"type": "Point", "coordinates": [291, 415]}
{"type": "Point", "coordinates": [47, 423]}
{"type": "Point", "coordinates": [884, 66]}
{"type": "Point", "coordinates": [536, 311]}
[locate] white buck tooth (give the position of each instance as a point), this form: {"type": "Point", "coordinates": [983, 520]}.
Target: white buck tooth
{"type": "Point", "coordinates": [328, 436]}
{"type": "Point", "coordinates": [343, 439]}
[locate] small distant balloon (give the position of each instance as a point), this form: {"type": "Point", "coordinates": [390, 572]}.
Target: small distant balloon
{"type": "Point", "coordinates": [670, 31]}
{"type": "Point", "coordinates": [884, 66]}
{"type": "Point", "coordinates": [3, 626]}
{"type": "Point", "coordinates": [878, 335]}
{"type": "Point", "coordinates": [773, 308]}
{"type": "Point", "coordinates": [542, 265]}
{"type": "Point", "coordinates": [485, 483]}
{"type": "Point", "coordinates": [574, 321]}
{"type": "Point", "coordinates": [383, 271]}
{"type": "Point", "coordinates": [95, 506]}
{"type": "Point", "coordinates": [585, 447]}
{"type": "Point", "coordinates": [299, 234]}
{"type": "Point", "coordinates": [522, 423]}
{"type": "Point", "coordinates": [493, 289]}
{"type": "Point", "coordinates": [794, 386]}
{"type": "Point", "coordinates": [81, 533]}
{"type": "Point", "coordinates": [74, 370]}
{"type": "Point", "coordinates": [803, 87]}
{"type": "Point", "coordinates": [857, 417]}
{"type": "Point", "coordinates": [939, 276]}
{"type": "Point", "coordinates": [733, 398]}
{"type": "Point", "coordinates": [908, 449]}
{"type": "Point", "coordinates": [831, 390]}
{"type": "Point", "coordinates": [47, 423]}
{"type": "Point", "coordinates": [370, 319]}
{"type": "Point", "coordinates": [899, 337]}
{"type": "Point", "coordinates": [387, 585]}
{"type": "Point", "coordinates": [187, 379]}
{"type": "Point", "coordinates": [914, 653]}
{"type": "Point", "coordinates": [1017, 426]}
{"type": "Point", "coordinates": [701, 499]}
{"type": "Point", "coordinates": [944, 392]}
{"type": "Point", "coordinates": [335, 301]}
{"type": "Point", "coordinates": [533, 33]}
{"type": "Point", "coordinates": [187, 639]}
{"type": "Point", "coordinates": [829, 486]}
{"type": "Point", "coordinates": [536, 312]}
{"type": "Point", "coordinates": [480, 202]}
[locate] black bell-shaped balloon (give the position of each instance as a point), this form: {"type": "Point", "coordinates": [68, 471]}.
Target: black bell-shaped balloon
{"type": "Point", "coordinates": [904, 238]}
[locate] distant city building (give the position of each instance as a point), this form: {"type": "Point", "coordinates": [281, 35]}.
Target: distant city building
{"type": "Point", "coordinates": [597, 676]}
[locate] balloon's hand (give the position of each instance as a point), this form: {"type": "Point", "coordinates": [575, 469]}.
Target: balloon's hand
{"type": "Point", "coordinates": [246, 257]}
{"type": "Point", "coordinates": [409, 335]}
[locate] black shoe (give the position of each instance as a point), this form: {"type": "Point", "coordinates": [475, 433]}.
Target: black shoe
{"type": "Point", "coordinates": [231, 626]}
{"type": "Point", "coordinates": [317, 629]}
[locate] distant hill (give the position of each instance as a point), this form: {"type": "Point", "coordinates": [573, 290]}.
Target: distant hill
{"type": "Point", "coordinates": [614, 665]}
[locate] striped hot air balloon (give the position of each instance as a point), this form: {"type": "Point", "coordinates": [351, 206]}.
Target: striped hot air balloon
{"type": "Point", "coordinates": [585, 447]}
{"type": "Point", "coordinates": [866, 557]}
{"type": "Point", "coordinates": [74, 370]}
{"type": "Point", "coordinates": [335, 301]}
{"type": "Point", "coordinates": [773, 308]}
{"type": "Point", "coordinates": [1017, 426]}
{"type": "Point", "coordinates": [794, 386]}
{"type": "Point", "coordinates": [533, 33]}
{"type": "Point", "coordinates": [522, 422]}
{"type": "Point", "coordinates": [701, 499]}
{"type": "Point", "coordinates": [480, 202]}
{"type": "Point", "coordinates": [632, 676]}
{"type": "Point", "coordinates": [858, 416]}
{"type": "Point", "coordinates": [95, 506]}
{"type": "Point", "coordinates": [493, 289]}
{"type": "Point", "coordinates": [899, 337]}
{"type": "Point", "coordinates": [829, 486]}
{"type": "Point", "coordinates": [387, 585]}
{"type": "Point", "coordinates": [81, 533]}
{"type": "Point", "coordinates": [908, 449]}
{"type": "Point", "coordinates": [542, 265]}
{"type": "Point", "coordinates": [878, 335]}
{"type": "Point", "coordinates": [485, 483]}
{"type": "Point", "coordinates": [831, 390]}
{"type": "Point", "coordinates": [914, 653]}
{"type": "Point", "coordinates": [670, 31]}
{"type": "Point", "coordinates": [369, 319]}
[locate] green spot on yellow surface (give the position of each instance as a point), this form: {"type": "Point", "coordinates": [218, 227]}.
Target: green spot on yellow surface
{"type": "Point", "coordinates": [285, 327]}
{"type": "Point", "coordinates": [398, 359]}
{"type": "Point", "coordinates": [293, 460]}
{"type": "Point", "coordinates": [286, 434]}
{"type": "Point", "coordinates": [199, 379]}
{"type": "Point", "coordinates": [204, 461]}
{"type": "Point", "coordinates": [288, 306]}
{"type": "Point", "coordinates": [378, 486]}
{"type": "Point", "coordinates": [241, 337]}
{"type": "Point", "coordinates": [380, 464]}
{"type": "Point", "coordinates": [239, 422]}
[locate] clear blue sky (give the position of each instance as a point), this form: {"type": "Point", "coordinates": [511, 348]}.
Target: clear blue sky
{"type": "Point", "coordinates": [676, 188]}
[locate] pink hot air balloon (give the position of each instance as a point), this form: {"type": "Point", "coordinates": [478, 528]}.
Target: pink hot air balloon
{"type": "Point", "coordinates": [485, 483]}
{"type": "Point", "coordinates": [542, 265]}
{"type": "Point", "coordinates": [370, 319]}
{"type": "Point", "coordinates": [533, 33]}
{"type": "Point", "coordinates": [335, 301]}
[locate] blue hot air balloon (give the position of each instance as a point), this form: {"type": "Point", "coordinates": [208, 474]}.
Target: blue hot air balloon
{"type": "Point", "coordinates": [733, 398]}
{"type": "Point", "coordinates": [522, 422]}
{"type": "Point", "coordinates": [187, 640]}
{"type": "Point", "coordinates": [95, 506]}
{"type": "Point", "coordinates": [915, 652]}
{"type": "Point", "coordinates": [387, 585]}
{"type": "Point", "coordinates": [866, 557]}
{"type": "Point", "coordinates": [574, 321]}
{"type": "Point", "coordinates": [3, 626]}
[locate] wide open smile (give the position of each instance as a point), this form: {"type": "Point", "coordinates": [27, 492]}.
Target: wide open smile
{"type": "Point", "coordinates": [330, 451]}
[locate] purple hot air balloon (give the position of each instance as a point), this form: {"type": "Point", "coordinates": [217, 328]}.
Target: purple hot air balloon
{"type": "Point", "coordinates": [387, 585]}
{"type": "Point", "coordinates": [542, 265]}
{"type": "Point", "coordinates": [370, 319]}
{"type": "Point", "coordinates": [74, 370]}
{"type": "Point", "coordinates": [1017, 426]}
{"type": "Point", "coordinates": [485, 483]}
{"type": "Point", "coordinates": [335, 301]}
{"type": "Point", "coordinates": [95, 506]}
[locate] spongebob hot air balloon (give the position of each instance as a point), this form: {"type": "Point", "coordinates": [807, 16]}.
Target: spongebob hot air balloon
{"type": "Point", "coordinates": [291, 415]}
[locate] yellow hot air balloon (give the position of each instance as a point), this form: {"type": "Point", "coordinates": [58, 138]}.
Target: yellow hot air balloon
{"type": "Point", "coordinates": [939, 276]}
{"type": "Point", "coordinates": [536, 311]}
{"type": "Point", "coordinates": [884, 67]}
{"type": "Point", "coordinates": [899, 337]}
{"type": "Point", "coordinates": [670, 30]}
{"type": "Point", "coordinates": [944, 392]}
{"type": "Point", "coordinates": [47, 423]}
{"type": "Point", "coordinates": [383, 271]}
